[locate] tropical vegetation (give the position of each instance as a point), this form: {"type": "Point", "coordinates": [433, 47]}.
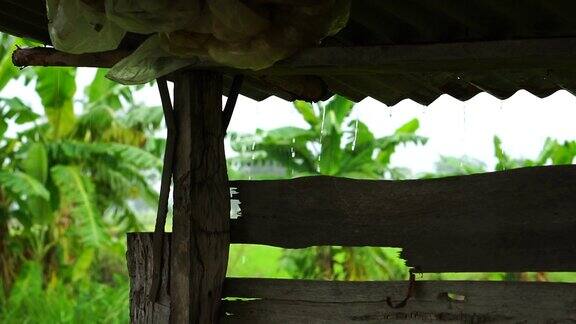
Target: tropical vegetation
{"type": "Point", "coordinates": [79, 171]}
{"type": "Point", "coordinates": [73, 176]}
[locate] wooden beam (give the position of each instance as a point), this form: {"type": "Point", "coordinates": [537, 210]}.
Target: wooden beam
{"type": "Point", "coordinates": [199, 253]}
{"type": "Point", "coordinates": [299, 301]}
{"type": "Point", "coordinates": [448, 57]}
{"type": "Point", "coordinates": [288, 87]}
{"type": "Point", "coordinates": [512, 221]}
{"type": "Point", "coordinates": [47, 56]}
{"type": "Point", "coordinates": [559, 53]}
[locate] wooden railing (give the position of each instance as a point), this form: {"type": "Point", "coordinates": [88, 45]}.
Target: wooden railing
{"type": "Point", "coordinates": [517, 220]}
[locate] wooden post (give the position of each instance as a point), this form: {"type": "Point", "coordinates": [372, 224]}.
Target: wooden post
{"type": "Point", "coordinates": [140, 264]}
{"type": "Point", "coordinates": [200, 239]}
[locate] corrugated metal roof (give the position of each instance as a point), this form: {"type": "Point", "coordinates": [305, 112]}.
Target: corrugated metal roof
{"type": "Point", "coordinates": [376, 22]}
{"type": "Point", "coordinates": [403, 22]}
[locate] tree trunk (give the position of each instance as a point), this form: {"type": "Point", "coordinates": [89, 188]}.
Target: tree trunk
{"type": "Point", "coordinates": [6, 265]}
{"type": "Point", "coordinates": [200, 241]}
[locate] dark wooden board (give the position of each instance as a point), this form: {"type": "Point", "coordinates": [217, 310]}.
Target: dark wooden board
{"type": "Point", "coordinates": [388, 59]}
{"type": "Point", "coordinates": [300, 301]}
{"type": "Point", "coordinates": [439, 57]}
{"type": "Point", "coordinates": [517, 220]}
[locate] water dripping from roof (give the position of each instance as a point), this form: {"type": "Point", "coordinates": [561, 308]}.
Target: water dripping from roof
{"type": "Point", "coordinates": [463, 134]}
{"type": "Point", "coordinates": [355, 135]}
{"type": "Point", "coordinates": [253, 158]}
{"type": "Point", "coordinates": [292, 156]}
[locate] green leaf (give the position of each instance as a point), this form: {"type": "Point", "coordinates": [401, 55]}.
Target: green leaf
{"type": "Point", "coordinates": [359, 151]}
{"type": "Point", "coordinates": [3, 127]}
{"type": "Point", "coordinates": [82, 265]}
{"type": "Point", "coordinates": [7, 70]}
{"type": "Point", "coordinates": [405, 134]}
{"type": "Point", "coordinates": [56, 88]}
{"type": "Point", "coordinates": [78, 198]}
{"type": "Point", "coordinates": [331, 152]}
{"type": "Point", "coordinates": [136, 156]}
{"type": "Point", "coordinates": [36, 162]}
{"type": "Point", "coordinates": [341, 107]}
{"type": "Point", "coordinates": [359, 137]}
{"type": "Point", "coordinates": [80, 152]}
{"type": "Point", "coordinates": [409, 128]}
{"type": "Point", "coordinates": [307, 111]}
{"type": "Point", "coordinates": [144, 117]}
{"type": "Point", "coordinates": [29, 282]}
{"type": "Point", "coordinates": [36, 165]}
{"type": "Point", "coordinates": [505, 162]}
{"type": "Point", "coordinates": [286, 135]}
{"type": "Point", "coordinates": [103, 90]}
{"type": "Point", "coordinates": [22, 185]}
{"type": "Point", "coordinates": [14, 108]}
{"type": "Point", "coordinates": [95, 121]}
{"type": "Point", "coordinates": [452, 166]}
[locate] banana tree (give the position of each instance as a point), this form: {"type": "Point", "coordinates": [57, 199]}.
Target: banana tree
{"type": "Point", "coordinates": [71, 173]}
{"type": "Point", "coordinates": [331, 145]}
{"type": "Point", "coordinates": [336, 145]}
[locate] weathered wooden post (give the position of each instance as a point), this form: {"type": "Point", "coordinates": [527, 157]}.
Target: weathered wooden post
{"type": "Point", "coordinates": [200, 239]}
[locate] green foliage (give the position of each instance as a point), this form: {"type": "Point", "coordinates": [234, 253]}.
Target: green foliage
{"type": "Point", "coordinates": [87, 301]}
{"type": "Point", "coordinates": [331, 145]}
{"type": "Point", "coordinates": [78, 201]}
{"type": "Point", "coordinates": [70, 179]}
{"type": "Point", "coordinates": [7, 69]}
{"type": "Point", "coordinates": [335, 145]}
{"type": "Point", "coordinates": [22, 185]}
{"type": "Point", "coordinates": [56, 88]}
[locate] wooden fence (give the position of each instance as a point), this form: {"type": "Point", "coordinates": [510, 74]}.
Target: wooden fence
{"type": "Point", "coordinates": [517, 220]}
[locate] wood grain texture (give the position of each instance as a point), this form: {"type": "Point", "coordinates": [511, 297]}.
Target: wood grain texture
{"type": "Point", "coordinates": [140, 263]}
{"type": "Point", "coordinates": [46, 56]}
{"type": "Point", "coordinates": [301, 301]}
{"type": "Point", "coordinates": [200, 240]}
{"type": "Point", "coordinates": [513, 221]}
{"type": "Point", "coordinates": [439, 57]}
{"type": "Point", "coordinates": [298, 301]}
{"type": "Point", "coordinates": [334, 60]}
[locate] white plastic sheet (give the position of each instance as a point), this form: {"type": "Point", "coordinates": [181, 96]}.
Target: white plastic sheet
{"type": "Point", "coordinates": [77, 27]}
{"type": "Point", "coordinates": [247, 34]}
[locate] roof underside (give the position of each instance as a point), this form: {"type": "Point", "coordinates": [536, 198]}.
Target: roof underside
{"type": "Point", "coordinates": [405, 22]}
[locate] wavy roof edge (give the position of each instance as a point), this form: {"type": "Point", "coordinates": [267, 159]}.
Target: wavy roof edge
{"type": "Point", "coordinates": [400, 23]}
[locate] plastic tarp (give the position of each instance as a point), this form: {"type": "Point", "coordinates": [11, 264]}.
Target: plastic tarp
{"type": "Point", "coordinates": [245, 34]}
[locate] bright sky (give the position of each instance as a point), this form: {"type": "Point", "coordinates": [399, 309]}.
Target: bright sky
{"type": "Point", "coordinates": [454, 128]}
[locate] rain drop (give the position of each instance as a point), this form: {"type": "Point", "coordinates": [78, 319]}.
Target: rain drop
{"type": "Point", "coordinates": [463, 132]}
{"type": "Point", "coordinates": [355, 135]}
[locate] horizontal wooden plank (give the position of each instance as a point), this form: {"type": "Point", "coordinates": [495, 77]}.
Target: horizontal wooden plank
{"type": "Point", "coordinates": [468, 56]}
{"type": "Point", "coordinates": [290, 87]}
{"type": "Point", "coordinates": [298, 301]}
{"type": "Point", "coordinates": [517, 220]}
{"type": "Point", "coordinates": [443, 57]}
